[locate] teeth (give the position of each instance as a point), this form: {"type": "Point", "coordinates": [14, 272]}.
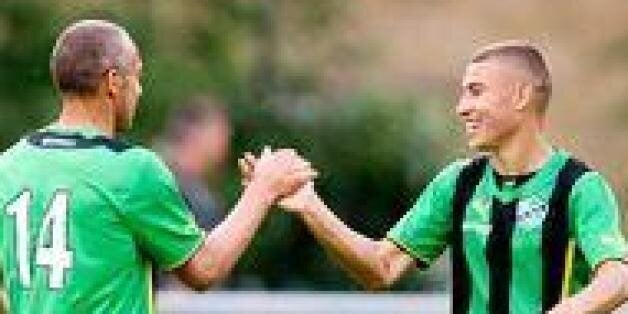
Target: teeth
{"type": "Point", "coordinates": [472, 126]}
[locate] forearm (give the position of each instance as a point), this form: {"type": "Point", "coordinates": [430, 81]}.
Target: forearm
{"type": "Point", "coordinates": [356, 253]}
{"type": "Point", "coordinates": [226, 242]}
{"type": "Point", "coordinates": [607, 290]}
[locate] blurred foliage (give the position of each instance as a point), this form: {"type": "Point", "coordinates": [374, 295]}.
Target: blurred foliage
{"type": "Point", "coordinates": [373, 155]}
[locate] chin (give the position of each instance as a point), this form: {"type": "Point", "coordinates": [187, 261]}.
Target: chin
{"type": "Point", "coordinates": [480, 146]}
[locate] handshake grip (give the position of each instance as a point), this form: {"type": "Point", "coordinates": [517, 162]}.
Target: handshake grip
{"type": "Point", "coordinates": [283, 173]}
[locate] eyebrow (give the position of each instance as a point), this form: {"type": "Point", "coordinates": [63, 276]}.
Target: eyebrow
{"type": "Point", "coordinates": [472, 84]}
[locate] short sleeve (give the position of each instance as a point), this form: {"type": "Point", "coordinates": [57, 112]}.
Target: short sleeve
{"type": "Point", "coordinates": [423, 231]}
{"type": "Point", "coordinates": [159, 218]}
{"type": "Point", "coordinates": [596, 220]}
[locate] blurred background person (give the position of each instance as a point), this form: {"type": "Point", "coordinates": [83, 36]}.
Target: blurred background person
{"type": "Point", "coordinates": [195, 145]}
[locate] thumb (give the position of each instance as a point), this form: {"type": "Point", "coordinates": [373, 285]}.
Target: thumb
{"type": "Point", "coordinates": [245, 170]}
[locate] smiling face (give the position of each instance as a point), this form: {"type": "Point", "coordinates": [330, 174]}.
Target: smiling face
{"type": "Point", "coordinates": [490, 103]}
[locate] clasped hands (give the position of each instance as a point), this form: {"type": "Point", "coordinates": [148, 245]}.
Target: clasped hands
{"type": "Point", "coordinates": [285, 175]}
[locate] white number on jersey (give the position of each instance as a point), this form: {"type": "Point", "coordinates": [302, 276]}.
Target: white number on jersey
{"type": "Point", "coordinates": [55, 256]}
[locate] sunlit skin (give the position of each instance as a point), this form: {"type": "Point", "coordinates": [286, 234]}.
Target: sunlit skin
{"type": "Point", "coordinates": [486, 105]}
{"type": "Point", "coordinates": [500, 116]}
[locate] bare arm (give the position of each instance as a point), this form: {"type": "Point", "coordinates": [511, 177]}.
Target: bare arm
{"type": "Point", "coordinates": [607, 291]}
{"type": "Point", "coordinates": [225, 244]}
{"type": "Point", "coordinates": [374, 263]}
{"type": "Point", "coordinates": [275, 176]}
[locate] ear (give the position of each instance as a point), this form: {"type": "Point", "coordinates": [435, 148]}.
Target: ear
{"type": "Point", "coordinates": [523, 95]}
{"type": "Point", "coordinates": [112, 83]}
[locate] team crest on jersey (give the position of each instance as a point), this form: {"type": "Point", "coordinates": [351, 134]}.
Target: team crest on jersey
{"type": "Point", "coordinates": [531, 212]}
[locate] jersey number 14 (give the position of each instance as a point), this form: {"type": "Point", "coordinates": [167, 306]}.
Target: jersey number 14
{"type": "Point", "coordinates": [54, 254]}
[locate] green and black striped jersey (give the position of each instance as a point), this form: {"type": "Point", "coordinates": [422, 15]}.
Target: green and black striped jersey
{"type": "Point", "coordinates": [510, 240]}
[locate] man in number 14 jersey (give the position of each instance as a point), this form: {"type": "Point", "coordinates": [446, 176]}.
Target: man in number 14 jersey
{"type": "Point", "coordinates": [84, 216]}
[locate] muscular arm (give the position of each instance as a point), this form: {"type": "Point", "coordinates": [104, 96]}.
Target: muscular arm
{"type": "Point", "coordinates": [607, 291]}
{"type": "Point", "coordinates": [277, 174]}
{"type": "Point", "coordinates": [224, 245]}
{"type": "Point", "coordinates": [375, 264]}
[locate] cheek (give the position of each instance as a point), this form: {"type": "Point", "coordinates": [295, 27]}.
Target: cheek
{"type": "Point", "coordinates": [493, 116]}
{"type": "Point", "coordinates": [501, 122]}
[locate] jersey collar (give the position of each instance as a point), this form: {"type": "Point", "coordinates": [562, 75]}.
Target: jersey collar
{"type": "Point", "coordinates": [531, 186]}
{"type": "Point", "coordinates": [85, 130]}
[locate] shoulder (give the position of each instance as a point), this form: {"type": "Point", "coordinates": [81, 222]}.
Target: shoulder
{"type": "Point", "coordinates": [577, 171]}
{"type": "Point", "coordinates": [10, 153]}
{"type": "Point", "coordinates": [141, 175]}
{"type": "Point", "coordinates": [455, 168]}
{"type": "Point", "coordinates": [449, 175]}
{"type": "Point", "coordinates": [140, 155]}
{"type": "Point", "coordinates": [13, 159]}
{"type": "Point", "coordinates": [590, 182]}
{"type": "Point", "coordinates": [144, 162]}
{"type": "Point", "coordinates": [586, 180]}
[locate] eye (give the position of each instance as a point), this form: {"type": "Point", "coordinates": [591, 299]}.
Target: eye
{"type": "Point", "coordinates": [474, 89]}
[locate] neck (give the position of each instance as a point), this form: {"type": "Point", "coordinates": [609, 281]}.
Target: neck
{"type": "Point", "coordinates": [523, 153]}
{"type": "Point", "coordinates": [87, 112]}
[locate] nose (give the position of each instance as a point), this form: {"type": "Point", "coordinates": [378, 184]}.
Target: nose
{"type": "Point", "coordinates": [464, 107]}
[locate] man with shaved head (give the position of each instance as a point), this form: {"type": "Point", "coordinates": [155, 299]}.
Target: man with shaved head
{"type": "Point", "coordinates": [531, 229]}
{"type": "Point", "coordinates": [86, 216]}
{"type": "Point", "coordinates": [85, 53]}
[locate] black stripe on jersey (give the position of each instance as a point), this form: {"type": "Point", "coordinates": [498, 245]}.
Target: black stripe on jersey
{"type": "Point", "coordinates": [466, 183]}
{"type": "Point", "coordinates": [55, 140]}
{"type": "Point", "coordinates": [499, 255]}
{"type": "Point", "coordinates": [556, 232]}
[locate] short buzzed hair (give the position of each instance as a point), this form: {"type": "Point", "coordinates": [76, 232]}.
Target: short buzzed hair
{"type": "Point", "coordinates": [529, 57]}
{"type": "Point", "coordinates": [85, 51]}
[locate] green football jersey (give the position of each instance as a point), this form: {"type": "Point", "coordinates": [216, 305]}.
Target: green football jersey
{"type": "Point", "coordinates": [510, 258]}
{"type": "Point", "coordinates": [84, 218]}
